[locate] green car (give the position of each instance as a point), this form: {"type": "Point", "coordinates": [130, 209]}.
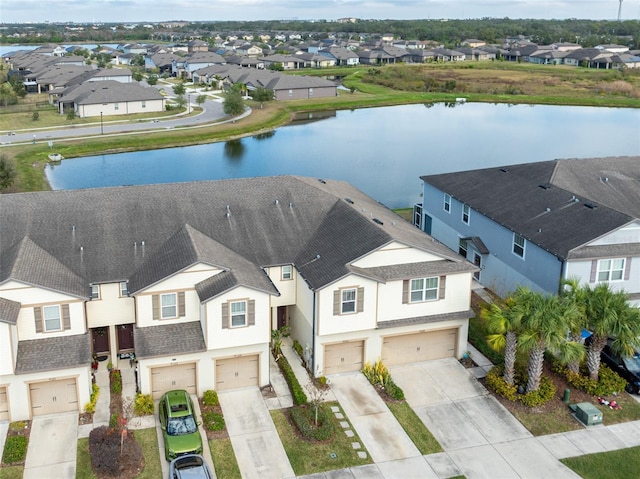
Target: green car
{"type": "Point", "coordinates": [179, 426]}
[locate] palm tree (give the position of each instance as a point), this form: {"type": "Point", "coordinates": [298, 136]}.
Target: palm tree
{"type": "Point", "coordinates": [504, 323]}
{"type": "Point", "coordinates": [545, 328]}
{"type": "Point", "coordinates": [609, 315]}
{"type": "Point", "coordinates": [576, 294]}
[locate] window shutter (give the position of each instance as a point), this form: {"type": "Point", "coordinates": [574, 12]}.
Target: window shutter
{"type": "Point", "coordinates": [442, 285]}
{"type": "Point", "coordinates": [336, 302]}
{"type": "Point", "coordinates": [627, 268]}
{"type": "Point", "coordinates": [181, 312]}
{"type": "Point", "coordinates": [251, 313]}
{"type": "Point", "coordinates": [225, 315]}
{"type": "Point", "coordinates": [155, 305]}
{"type": "Point", "coordinates": [405, 291]}
{"type": "Point", "coordinates": [360, 300]}
{"type": "Point", "coordinates": [594, 270]}
{"type": "Point", "coordinates": [66, 317]}
{"type": "Point", "coordinates": [37, 314]}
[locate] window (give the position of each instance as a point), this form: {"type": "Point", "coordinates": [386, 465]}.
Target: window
{"type": "Point", "coordinates": [611, 269]}
{"type": "Point", "coordinates": [290, 92]}
{"type": "Point", "coordinates": [52, 318]}
{"type": "Point", "coordinates": [116, 106]}
{"type": "Point", "coordinates": [144, 104]}
{"type": "Point", "coordinates": [310, 91]}
{"type": "Point", "coordinates": [465, 214]}
{"type": "Point", "coordinates": [462, 247]}
{"type": "Point", "coordinates": [95, 291]}
{"type": "Point", "coordinates": [348, 301]}
{"type": "Point", "coordinates": [447, 203]}
{"type": "Point", "coordinates": [238, 314]}
{"type": "Point", "coordinates": [286, 272]}
{"type": "Point", "coordinates": [424, 289]}
{"type": "Point", "coordinates": [124, 289]}
{"type": "Point", "coordinates": [169, 307]}
{"type": "Point", "coordinates": [518, 245]}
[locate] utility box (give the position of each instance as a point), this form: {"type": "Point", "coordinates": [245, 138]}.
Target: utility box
{"type": "Point", "coordinates": [588, 414]}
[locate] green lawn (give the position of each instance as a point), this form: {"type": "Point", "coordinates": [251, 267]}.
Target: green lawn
{"type": "Point", "coordinates": [147, 440]}
{"type": "Point", "coordinates": [224, 459]}
{"type": "Point", "coordinates": [12, 472]}
{"type": "Point", "coordinates": [308, 457]}
{"type": "Point", "coordinates": [605, 465]}
{"type": "Point", "coordinates": [415, 428]}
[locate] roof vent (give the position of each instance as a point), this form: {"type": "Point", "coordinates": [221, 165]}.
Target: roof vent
{"type": "Point", "coordinates": [548, 210]}
{"type": "Point", "coordinates": [591, 206]}
{"type": "Point", "coordinates": [277, 202]}
{"type": "Point", "coordinates": [504, 170]}
{"type": "Point", "coordinates": [376, 220]}
{"type": "Point", "coordinates": [349, 200]}
{"type": "Point", "coordinates": [575, 199]}
{"type": "Point", "coordinates": [290, 204]}
{"type": "Point", "coordinates": [545, 186]}
{"type": "Point", "coordinates": [228, 214]}
{"type": "Point", "coordinates": [322, 181]}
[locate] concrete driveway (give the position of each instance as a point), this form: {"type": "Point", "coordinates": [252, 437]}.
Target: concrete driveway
{"type": "Point", "coordinates": [52, 447]}
{"type": "Point", "coordinates": [480, 437]}
{"type": "Point", "coordinates": [253, 435]}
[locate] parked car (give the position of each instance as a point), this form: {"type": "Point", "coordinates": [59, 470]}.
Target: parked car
{"type": "Point", "coordinates": [179, 425]}
{"type": "Point", "coordinates": [191, 466]}
{"type": "Point", "coordinates": [627, 367]}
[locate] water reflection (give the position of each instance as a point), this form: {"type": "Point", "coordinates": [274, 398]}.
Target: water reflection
{"type": "Point", "coordinates": [234, 149]}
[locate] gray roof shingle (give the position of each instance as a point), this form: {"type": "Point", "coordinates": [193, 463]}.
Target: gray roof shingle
{"type": "Point", "coordinates": [49, 354]}
{"type": "Point", "coordinates": [168, 339]}
{"type": "Point", "coordinates": [9, 311]}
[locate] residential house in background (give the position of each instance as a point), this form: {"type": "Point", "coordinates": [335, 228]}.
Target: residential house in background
{"type": "Point", "coordinates": [191, 279]}
{"type": "Point", "coordinates": [537, 224]}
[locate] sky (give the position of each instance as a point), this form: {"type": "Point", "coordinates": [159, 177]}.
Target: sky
{"type": "Point", "coordinates": [140, 11]}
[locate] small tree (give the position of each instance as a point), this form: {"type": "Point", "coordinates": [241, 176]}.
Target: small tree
{"type": "Point", "coordinates": [35, 116]}
{"type": "Point", "coordinates": [71, 115]}
{"type": "Point", "coordinates": [200, 99]}
{"type": "Point", "coordinates": [179, 89]}
{"type": "Point", "coordinates": [152, 79]}
{"type": "Point", "coordinates": [7, 172]}
{"type": "Point", "coordinates": [316, 397]}
{"type": "Point", "coordinates": [233, 104]}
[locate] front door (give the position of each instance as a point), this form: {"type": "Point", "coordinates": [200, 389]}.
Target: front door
{"type": "Point", "coordinates": [477, 260]}
{"type": "Point", "coordinates": [125, 337]}
{"type": "Point", "coordinates": [100, 338]}
{"type": "Point", "coordinates": [282, 316]}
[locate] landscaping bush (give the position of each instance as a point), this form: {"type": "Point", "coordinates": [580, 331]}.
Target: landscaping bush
{"type": "Point", "coordinates": [378, 375]}
{"type": "Point", "coordinates": [106, 460]}
{"type": "Point", "coordinates": [143, 405]}
{"type": "Point", "coordinates": [608, 381]}
{"type": "Point", "coordinates": [114, 420]}
{"type": "Point", "coordinates": [395, 391]}
{"type": "Point", "coordinates": [116, 381]}
{"type": "Point", "coordinates": [210, 398]}
{"type": "Point", "coordinates": [299, 397]}
{"type": "Point", "coordinates": [297, 347]}
{"type": "Point", "coordinates": [322, 381]}
{"type": "Point", "coordinates": [90, 407]}
{"type": "Point", "coordinates": [212, 421]}
{"type": "Point", "coordinates": [304, 419]}
{"type": "Point", "coordinates": [496, 383]}
{"type": "Point", "coordinates": [15, 449]}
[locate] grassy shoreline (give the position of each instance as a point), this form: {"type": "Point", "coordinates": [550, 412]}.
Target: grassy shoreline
{"type": "Point", "coordinates": [30, 160]}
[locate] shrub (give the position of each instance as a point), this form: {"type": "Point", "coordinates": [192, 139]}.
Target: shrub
{"type": "Point", "coordinates": [15, 449]}
{"type": "Point", "coordinates": [143, 405]}
{"type": "Point", "coordinates": [114, 420]}
{"type": "Point", "coordinates": [104, 448]}
{"type": "Point", "coordinates": [212, 421]}
{"type": "Point", "coordinates": [379, 375]}
{"type": "Point", "coordinates": [322, 381]}
{"type": "Point", "coordinates": [299, 397]}
{"type": "Point", "coordinates": [116, 381]}
{"type": "Point", "coordinates": [395, 391]}
{"type": "Point", "coordinates": [304, 419]}
{"type": "Point", "coordinates": [543, 395]}
{"type": "Point", "coordinates": [90, 407]}
{"type": "Point", "coordinates": [210, 398]}
{"type": "Point", "coordinates": [496, 383]}
{"type": "Point", "coordinates": [608, 381]}
{"type": "Point", "coordinates": [297, 347]}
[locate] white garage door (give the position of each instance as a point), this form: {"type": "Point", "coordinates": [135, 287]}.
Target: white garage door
{"type": "Point", "coordinates": [51, 397]}
{"type": "Point", "coordinates": [240, 372]}
{"type": "Point", "coordinates": [411, 348]}
{"type": "Point", "coordinates": [176, 376]}
{"type": "Point", "coordinates": [343, 357]}
{"type": "Point", "coordinates": [4, 404]}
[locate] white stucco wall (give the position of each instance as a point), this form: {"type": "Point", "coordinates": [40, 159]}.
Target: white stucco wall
{"type": "Point", "coordinates": [123, 108]}
{"type": "Point", "coordinates": [111, 308]}
{"type": "Point", "coordinates": [395, 253]}
{"type": "Point", "coordinates": [287, 288]}
{"type": "Point", "coordinates": [7, 353]}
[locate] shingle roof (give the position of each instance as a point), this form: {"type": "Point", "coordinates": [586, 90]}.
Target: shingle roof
{"type": "Point", "coordinates": [49, 354]}
{"type": "Point", "coordinates": [558, 205]}
{"type": "Point", "coordinates": [163, 340]}
{"type": "Point", "coordinates": [9, 311]}
{"type": "Point", "coordinates": [109, 91]}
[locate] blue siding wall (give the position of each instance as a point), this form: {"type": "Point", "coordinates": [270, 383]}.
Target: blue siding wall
{"type": "Point", "coordinates": [502, 270]}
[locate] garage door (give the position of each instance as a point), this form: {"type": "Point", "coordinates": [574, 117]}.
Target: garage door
{"type": "Point", "coordinates": [240, 372]}
{"type": "Point", "coordinates": [4, 404]}
{"type": "Point", "coordinates": [411, 348]}
{"type": "Point", "coordinates": [343, 357]}
{"type": "Point", "coordinates": [177, 376]}
{"type": "Point", "coordinates": [51, 397]}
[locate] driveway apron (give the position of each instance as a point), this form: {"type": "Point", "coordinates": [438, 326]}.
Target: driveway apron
{"type": "Point", "coordinates": [254, 438]}
{"type": "Point", "coordinates": [377, 427]}
{"type": "Point", "coordinates": [52, 447]}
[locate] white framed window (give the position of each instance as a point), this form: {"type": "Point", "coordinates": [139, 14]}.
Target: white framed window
{"type": "Point", "coordinates": [462, 247]}
{"type": "Point", "coordinates": [238, 314]}
{"type": "Point", "coordinates": [519, 244]}
{"type": "Point", "coordinates": [611, 269]}
{"type": "Point", "coordinates": [95, 291]}
{"type": "Point", "coordinates": [348, 301]}
{"type": "Point", "coordinates": [290, 92]}
{"type": "Point", "coordinates": [52, 318]}
{"type": "Point", "coordinates": [124, 289]}
{"type": "Point", "coordinates": [466, 212]}
{"type": "Point", "coordinates": [424, 289]}
{"type": "Point", "coordinates": [447, 203]}
{"type": "Point", "coordinates": [287, 272]}
{"type": "Point", "coordinates": [116, 106]}
{"type": "Point", "coordinates": [310, 91]}
{"type": "Point", "coordinates": [144, 104]}
{"type": "Point", "coordinates": [168, 305]}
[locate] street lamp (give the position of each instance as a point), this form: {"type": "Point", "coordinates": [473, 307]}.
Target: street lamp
{"type": "Point", "coordinates": [101, 127]}
{"type": "Point", "coordinates": [188, 104]}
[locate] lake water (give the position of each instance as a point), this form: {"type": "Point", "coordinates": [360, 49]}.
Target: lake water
{"type": "Point", "coordinates": [382, 151]}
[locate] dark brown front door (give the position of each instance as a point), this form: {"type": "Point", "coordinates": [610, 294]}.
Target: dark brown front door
{"type": "Point", "coordinates": [125, 337]}
{"type": "Point", "coordinates": [282, 316]}
{"type": "Point", "coordinates": [100, 337]}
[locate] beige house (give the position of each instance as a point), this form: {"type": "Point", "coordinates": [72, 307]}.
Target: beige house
{"type": "Point", "coordinates": [191, 278]}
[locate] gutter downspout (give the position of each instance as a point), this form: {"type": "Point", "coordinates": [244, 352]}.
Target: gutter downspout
{"type": "Point", "coordinates": [313, 335]}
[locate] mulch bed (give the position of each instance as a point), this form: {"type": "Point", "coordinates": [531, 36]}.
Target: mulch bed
{"type": "Point", "coordinates": [223, 434]}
